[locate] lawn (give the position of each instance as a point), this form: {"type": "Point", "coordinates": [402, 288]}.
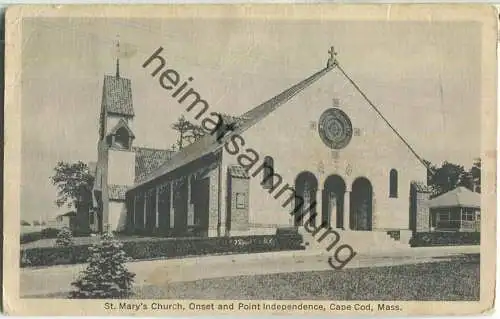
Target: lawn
{"type": "Point", "coordinates": [449, 280]}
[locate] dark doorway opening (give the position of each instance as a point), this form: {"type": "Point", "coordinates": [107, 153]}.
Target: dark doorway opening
{"type": "Point", "coordinates": [361, 205]}
{"type": "Point", "coordinates": [333, 202]}
{"type": "Point", "coordinates": [306, 186]}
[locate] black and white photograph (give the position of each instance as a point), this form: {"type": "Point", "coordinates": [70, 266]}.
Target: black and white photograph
{"type": "Point", "coordinates": [250, 159]}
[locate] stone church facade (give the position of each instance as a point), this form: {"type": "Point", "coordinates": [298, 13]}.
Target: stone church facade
{"type": "Point", "coordinates": [303, 151]}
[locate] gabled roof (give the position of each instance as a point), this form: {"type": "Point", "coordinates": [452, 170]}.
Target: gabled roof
{"type": "Point", "coordinates": [117, 95]}
{"type": "Point", "coordinates": [209, 142]}
{"type": "Point", "coordinates": [458, 197]}
{"type": "Point", "coordinates": [121, 124]}
{"type": "Point", "coordinates": [149, 159]}
{"type": "Point", "coordinates": [117, 192]}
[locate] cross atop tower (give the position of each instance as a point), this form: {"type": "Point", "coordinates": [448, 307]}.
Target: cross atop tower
{"type": "Point", "coordinates": [117, 55]}
{"type": "Point", "coordinates": [332, 61]}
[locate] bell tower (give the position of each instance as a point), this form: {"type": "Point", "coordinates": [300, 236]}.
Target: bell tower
{"type": "Point", "coordinates": [116, 156]}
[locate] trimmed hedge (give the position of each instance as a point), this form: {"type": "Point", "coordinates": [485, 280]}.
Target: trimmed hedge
{"type": "Point", "coordinates": [47, 233]}
{"type": "Point", "coordinates": [445, 239]}
{"type": "Point", "coordinates": [172, 247]}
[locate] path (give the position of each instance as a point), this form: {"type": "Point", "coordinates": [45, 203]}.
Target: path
{"type": "Point", "coordinates": [40, 281]}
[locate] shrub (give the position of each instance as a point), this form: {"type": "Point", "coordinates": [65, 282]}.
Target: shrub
{"type": "Point", "coordinates": [64, 238]}
{"type": "Point", "coordinates": [106, 276]}
{"type": "Point", "coordinates": [34, 236]}
{"type": "Point", "coordinates": [170, 247]}
{"type": "Point", "coordinates": [445, 239]}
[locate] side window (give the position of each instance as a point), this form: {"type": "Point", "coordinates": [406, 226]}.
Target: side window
{"type": "Point", "coordinates": [393, 183]}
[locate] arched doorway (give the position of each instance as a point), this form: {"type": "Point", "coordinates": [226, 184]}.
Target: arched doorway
{"type": "Point", "coordinates": [333, 202]}
{"type": "Point", "coordinates": [361, 205]}
{"type": "Point", "coordinates": [306, 186]}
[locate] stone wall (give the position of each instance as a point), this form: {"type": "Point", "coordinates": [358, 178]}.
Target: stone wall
{"type": "Point", "coordinates": [422, 211]}
{"type": "Point", "coordinates": [239, 218]}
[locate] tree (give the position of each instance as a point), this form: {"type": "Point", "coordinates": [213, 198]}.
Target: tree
{"type": "Point", "coordinates": [450, 176]}
{"type": "Point", "coordinates": [188, 132]}
{"type": "Point", "coordinates": [64, 238]}
{"type": "Point", "coordinates": [475, 172]}
{"type": "Point", "coordinates": [106, 276]}
{"type": "Point", "coordinates": [74, 189]}
{"type": "Point", "coordinates": [25, 223]}
{"type": "Point", "coordinates": [36, 223]}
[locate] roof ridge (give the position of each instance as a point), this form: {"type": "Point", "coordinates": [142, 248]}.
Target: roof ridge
{"type": "Point", "coordinates": [208, 143]}
{"type": "Point", "coordinates": [152, 149]}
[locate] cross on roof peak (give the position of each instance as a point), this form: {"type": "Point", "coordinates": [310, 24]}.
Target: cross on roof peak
{"type": "Point", "coordinates": [332, 60]}
{"type": "Point", "coordinates": [117, 55]}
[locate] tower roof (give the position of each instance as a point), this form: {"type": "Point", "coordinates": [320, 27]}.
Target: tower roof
{"type": "Point", "coordinates": [117, 95]}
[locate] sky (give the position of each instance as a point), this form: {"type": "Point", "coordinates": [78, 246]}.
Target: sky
{"type": "Point", "coordinates": [423, 77]}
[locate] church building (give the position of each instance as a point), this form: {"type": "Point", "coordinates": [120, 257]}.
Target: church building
{"type": "Point", "coordinates": [304, 152]}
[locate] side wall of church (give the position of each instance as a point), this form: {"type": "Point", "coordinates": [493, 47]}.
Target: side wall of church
{"type": "Point", "coordinates": [213, 203]}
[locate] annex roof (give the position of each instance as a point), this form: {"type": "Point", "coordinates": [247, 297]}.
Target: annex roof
{"type": "Point", "coordinates": [117, 192]}
{"type": "Point", "coordinates": [149, 159]}
{"type": "Point", "coordinates": [458, 197]}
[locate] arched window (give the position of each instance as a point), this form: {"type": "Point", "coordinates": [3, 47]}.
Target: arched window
{"type": "Point", "coordinates": [393, 183]}
{"type": "Point", "coordinates": [268, 175]}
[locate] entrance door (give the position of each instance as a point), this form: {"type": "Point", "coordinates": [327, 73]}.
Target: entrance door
{"type": "Point", "coordinates": [333, 202]}
{"type": "Point", "coordinates": [361, 205]}
{"type": "Point", "coordinates": [306, 187]}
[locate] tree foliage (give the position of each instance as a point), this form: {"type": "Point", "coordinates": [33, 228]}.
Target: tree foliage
{"type": "Point", "coordinates": [74, 184]}
{"type": "Point", "coordinates": [106, 276]}
{"type": "Point", "coordinates": [25, 223]}
{"type": "Point", "coordinates": [188, 132]}
{"type": "Point", "coordinates": [450, 176]}
{"type": "Point", "coordinates": [64, 238]}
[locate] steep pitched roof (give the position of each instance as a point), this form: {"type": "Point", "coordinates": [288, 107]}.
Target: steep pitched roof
{"type": "Point", "coordinates": [209, 143]}
{"type": "Point", "coordinates": [117, 95]}
{"type": "Point", "coordinates": [149, 159]}
{"type": "Point", "coordinates": [117, 192]}
{"type": "Point", "coordinates": [458, 197]}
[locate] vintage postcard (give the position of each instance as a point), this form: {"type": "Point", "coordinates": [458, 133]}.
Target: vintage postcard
{"type": "Point", "coordinates": [250, 159]}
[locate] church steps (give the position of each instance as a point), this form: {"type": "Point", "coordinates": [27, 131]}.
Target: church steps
{"type": "Point", "coordinates": [358, 240]}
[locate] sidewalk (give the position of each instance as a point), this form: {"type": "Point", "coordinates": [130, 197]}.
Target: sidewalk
{"type": "Point", "coordinates": [55, 279]}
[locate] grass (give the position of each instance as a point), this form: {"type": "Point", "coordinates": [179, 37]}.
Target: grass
{"type": "Point", "coordinates": [450, 280]}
